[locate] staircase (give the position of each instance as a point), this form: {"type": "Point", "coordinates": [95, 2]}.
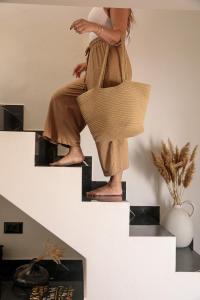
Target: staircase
{"type": "Point", "coordinates": [122, 262]}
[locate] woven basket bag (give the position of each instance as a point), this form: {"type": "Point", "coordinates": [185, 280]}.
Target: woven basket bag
{"type": "Point", "coordinates": [115, 112]}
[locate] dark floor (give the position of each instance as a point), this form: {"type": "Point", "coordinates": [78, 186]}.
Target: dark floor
{"type": "Point", "coordinates": [9, 292]}
{"type": "Point", "coordinates": [187, 260]}
{"type": "Point", "coordinates": [70, 276]}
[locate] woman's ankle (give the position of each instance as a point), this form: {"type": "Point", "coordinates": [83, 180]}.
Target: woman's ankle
{"type": "Point", "coordinates": [115, 183]}
{"type": "Point", "coordinates": [116, 179]}
{"type": "Point", "coordinates": [76, 150]}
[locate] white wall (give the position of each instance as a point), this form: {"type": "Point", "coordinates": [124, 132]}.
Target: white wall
{"type": "Point", "coordinates": [37, 55]}
{"type": "Point", "coordinates": [141, 4]}
{"type": "Point", "coordinates": [32, 242]}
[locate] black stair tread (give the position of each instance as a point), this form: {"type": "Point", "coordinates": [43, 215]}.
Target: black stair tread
{"type": "Point", "coordinates": [117, 199]}
{"type": "Point", "coordinates": [24, 130]}
{"type": "Point", "coordinates": [17, 130]}
{"type": "Point", "coordinates": [11, 117]}
{"type": "Point", "coordinates": [33, 130]}
{"type": "Point", "coordinates": [3, 130]}
{"type": "Point", "coordinates": [27, 130]}
{"type": "Point", "coordinates": [38, 131]}
{"type": "Point", "coordinates": [97, 184]}
{"type": "Point", "coordinates": [148, 230]}
{"type": "Point", "coordinates": [87, 176]}
{"type": "Point", "coordinates": [187, 260]}
{"type": "Point", "coordinates": [144, 215]}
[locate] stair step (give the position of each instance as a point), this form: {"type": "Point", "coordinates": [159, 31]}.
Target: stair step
{"type": "Point", "coordinates": [11, 117]}
{"type": "Point", "coordinates": [86, 175]}
{"type": "Point", "coordinates": [46, 152]}
{"type": "Point", "coordinates": [144, 215]}
{"type": "Point", "coordinates": [97, 184]}
{"type": "Point", "coordinates": [187, 260]}
{"type": "Point", "coordinates": [148, 230]}
{"type": "Point", "coordinates": [39, 132]}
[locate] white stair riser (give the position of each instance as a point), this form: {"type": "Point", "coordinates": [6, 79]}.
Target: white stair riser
{"type": "Point", "coordinates": [98, 231]}
{"type": "Point", "coordinates": [52, 195]}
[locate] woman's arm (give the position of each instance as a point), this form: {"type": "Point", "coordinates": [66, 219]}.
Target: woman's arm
{"type": "Point", "coordinates": [119, 19]}
{"type": "Point", "coordinates": [79, 69]}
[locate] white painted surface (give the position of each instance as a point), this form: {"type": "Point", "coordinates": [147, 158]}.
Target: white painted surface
{"type": "Point", "coordinates": [117, 266]}
{"type": "Point", "coordinates": [52, 195]}
{"type": "Point", "coordinates": [32, 242]}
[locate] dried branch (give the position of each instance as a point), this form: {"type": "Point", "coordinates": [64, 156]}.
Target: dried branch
{"type": "Point", "coordinates": [184, 153]}
{"type": "Point", "coordinates": [193, 155]}
{"type": "Point", "coordinates": [189, 175]}
{"type": "Point", "coordinates": [52, 251]}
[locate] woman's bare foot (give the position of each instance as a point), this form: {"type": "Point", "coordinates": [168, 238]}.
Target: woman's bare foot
{"type": "Point", "coordinates": [106, 190]}
{"type": "Point", "coordinates": [108, 199]}
{"type": "Point", "coordinates": [75, 156]}
{"type": "Point", "coordinates": [112, 188]}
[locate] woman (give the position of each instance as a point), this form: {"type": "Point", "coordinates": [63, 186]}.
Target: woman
{"type": "Point", "coordinates": [64, 120]}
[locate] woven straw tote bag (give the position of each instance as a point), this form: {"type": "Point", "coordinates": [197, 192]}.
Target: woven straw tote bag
{"type": "Point", "coordinates": [115, 112]}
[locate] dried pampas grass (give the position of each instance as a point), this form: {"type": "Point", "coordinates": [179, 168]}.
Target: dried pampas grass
{"type": "Point", "coordinates": [176, 166]}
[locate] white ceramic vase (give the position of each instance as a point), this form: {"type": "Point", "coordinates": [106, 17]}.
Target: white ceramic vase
{"type": "Point", "coordinates": [178, 221]}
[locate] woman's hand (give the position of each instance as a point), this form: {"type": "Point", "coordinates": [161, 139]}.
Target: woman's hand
{"type": "Point", "coordinates": [83, 26]}
{"type": "Point", "coordinates": [79, 69]}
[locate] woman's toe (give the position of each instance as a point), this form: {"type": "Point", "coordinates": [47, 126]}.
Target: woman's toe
{"type": "Point", "coordinates": [89, 193]}
{"type": "Point", "coordinates": [54, 164]}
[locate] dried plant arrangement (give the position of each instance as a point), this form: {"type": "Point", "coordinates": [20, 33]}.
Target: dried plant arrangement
{"type": "Point", "coordinates": [52, 251]}
{"type": "Point", "coordinates": [176, 166]}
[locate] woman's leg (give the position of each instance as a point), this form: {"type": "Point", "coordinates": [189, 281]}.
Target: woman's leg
{"type": "Point", "coordinates": [64, 121]}
{"type": "Point", "coordinates": [113, 157]}
{"type": "Point", "coordinates": [74, 156]}
{"type": "Point", "coordinates": [112, 188]}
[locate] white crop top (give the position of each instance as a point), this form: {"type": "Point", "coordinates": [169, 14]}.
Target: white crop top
{"type": "Point", "coordinates": [99, 16]}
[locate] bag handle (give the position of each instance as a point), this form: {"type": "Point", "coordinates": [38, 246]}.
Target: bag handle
{"type": "Point", "coordinates": [122, 62]}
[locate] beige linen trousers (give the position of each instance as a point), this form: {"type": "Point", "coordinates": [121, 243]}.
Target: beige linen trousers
{"type": "Point", "coordinates": [64, 121]}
